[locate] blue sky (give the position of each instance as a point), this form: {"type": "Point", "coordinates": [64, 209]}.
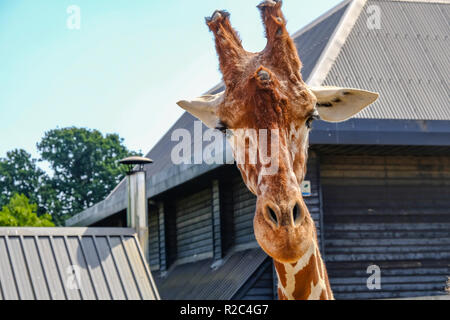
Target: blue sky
{"type": "Point", "coordinates": [124, 69]}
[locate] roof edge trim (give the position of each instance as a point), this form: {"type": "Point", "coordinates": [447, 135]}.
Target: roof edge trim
{"type": "Point", "coordinates": [64, 231]}
{"type": "Point", "coordinates": [335, 44]}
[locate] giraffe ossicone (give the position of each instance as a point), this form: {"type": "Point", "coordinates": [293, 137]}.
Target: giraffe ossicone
{"type": "Point", "coordinates": [265, 90]}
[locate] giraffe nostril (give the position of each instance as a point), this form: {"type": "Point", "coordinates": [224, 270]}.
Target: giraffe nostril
{"type": "Point", "coordinates": [272, 215]}
{"type": "Point", "coordinates": [296, 213]}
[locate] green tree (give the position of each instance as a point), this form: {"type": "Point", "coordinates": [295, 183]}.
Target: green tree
{"type": "Point", "coordinates": [20, 174]}
{"type": "Point", "coordinates": [85, 165]}
{"type": "Point", "coordinates": [19, 212]}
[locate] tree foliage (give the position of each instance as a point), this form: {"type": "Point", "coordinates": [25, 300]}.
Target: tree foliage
{"type": "Point", "coordinates": [85, 165]}
{"type": "Point", "coordinates": [20, 174]}
{"type": "Point", "coordinates": [19, 212]}
{"type": "Point", "coordinates": [85, 169]}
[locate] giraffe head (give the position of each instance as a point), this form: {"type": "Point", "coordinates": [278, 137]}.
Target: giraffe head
{"type": "Point", "coordinates": [267, 107]}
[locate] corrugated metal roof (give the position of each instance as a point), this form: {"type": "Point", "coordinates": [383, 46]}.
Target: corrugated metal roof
{"type": "Point", "coordinates": [406, 61]}
{"type": "Point", "coordinates": [198, 281]}
{"type": "Point", "coordinates": [73, 264]}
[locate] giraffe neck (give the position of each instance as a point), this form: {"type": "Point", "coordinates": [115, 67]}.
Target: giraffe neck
{"type": "Point", "coordinates": [305, 280]}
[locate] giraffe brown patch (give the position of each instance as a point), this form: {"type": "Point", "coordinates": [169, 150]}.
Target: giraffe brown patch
{"type": "Point", "coordinates": [281, 271]}
{"type": "Point", "coordinates": [304, 278]}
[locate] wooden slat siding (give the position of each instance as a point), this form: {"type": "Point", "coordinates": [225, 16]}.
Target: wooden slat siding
{"type": "Point", "coordinates": [226, 214]}
{"type": "Point", "coordinates": [170, 232]}
{"type": "Point", "coordinates": [153, 229]}
{"type": "Point", "coordinates": [313, 202]}
{"type": "Point", "coordinates": [194, 228]}
{"type": "Point", "coordinates": [244, 204]}
{"type": "Point", "coordinates": [391, 211]}
{"type": "Point", "coordinates": [320, 235]}
{"type": "Point", "coordinates": [260, 285]}
{"type": "Point", "coordinates": [162, 237]}
{"type": "Point", "coordinates": [275, 282]}
{"type": "Point", "coordinates": [217, 234]}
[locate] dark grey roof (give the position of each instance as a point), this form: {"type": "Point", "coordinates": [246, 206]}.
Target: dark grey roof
{"type": "Point", "coordinates": [406, 61]}
{"type": "Point", "coordinates": [198, 281]}
{"type": "Point", "coordinates": [39, 264]}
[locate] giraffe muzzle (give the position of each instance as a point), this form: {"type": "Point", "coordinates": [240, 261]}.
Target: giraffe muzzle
{"type": "Point", "coordinates": [283, 231]}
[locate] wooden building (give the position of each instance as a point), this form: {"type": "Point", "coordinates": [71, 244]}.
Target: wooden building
{"type": "Point", "coordinates": [380, 181]}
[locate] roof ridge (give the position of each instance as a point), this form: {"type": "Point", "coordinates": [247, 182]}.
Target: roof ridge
{"type": "Point", "coordinates": [336, 42]}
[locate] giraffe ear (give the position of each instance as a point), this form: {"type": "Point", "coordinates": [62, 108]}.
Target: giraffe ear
{"type": "Point", "coordinates": [338, 104]}
{"type": "Point", "coordinates": [204, 108]}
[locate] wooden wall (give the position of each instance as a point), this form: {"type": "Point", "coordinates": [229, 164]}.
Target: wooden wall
{"type": "Point", "coordinates": [194, 232]}
{"type": "Point", "coordinates": [244, 204]}
{"type": "Point", "coordinates": [154, 239]}
{"type": "Point", "coordinates": [389, 211]}
{"type": "Point", "coordinates": [313, 202]}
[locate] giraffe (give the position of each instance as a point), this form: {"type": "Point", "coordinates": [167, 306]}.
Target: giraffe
{"type": "Point", "coordinates": [265, 90]}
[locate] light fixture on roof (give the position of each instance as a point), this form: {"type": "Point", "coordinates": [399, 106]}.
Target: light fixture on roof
{"type": "Point", "coordinates": [132, 162]}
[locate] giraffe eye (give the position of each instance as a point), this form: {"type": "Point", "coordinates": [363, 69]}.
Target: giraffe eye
{"type": "Point", "coordinates": [311, 118]}
{"type": "Point", "coordinates": [222, 127]}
